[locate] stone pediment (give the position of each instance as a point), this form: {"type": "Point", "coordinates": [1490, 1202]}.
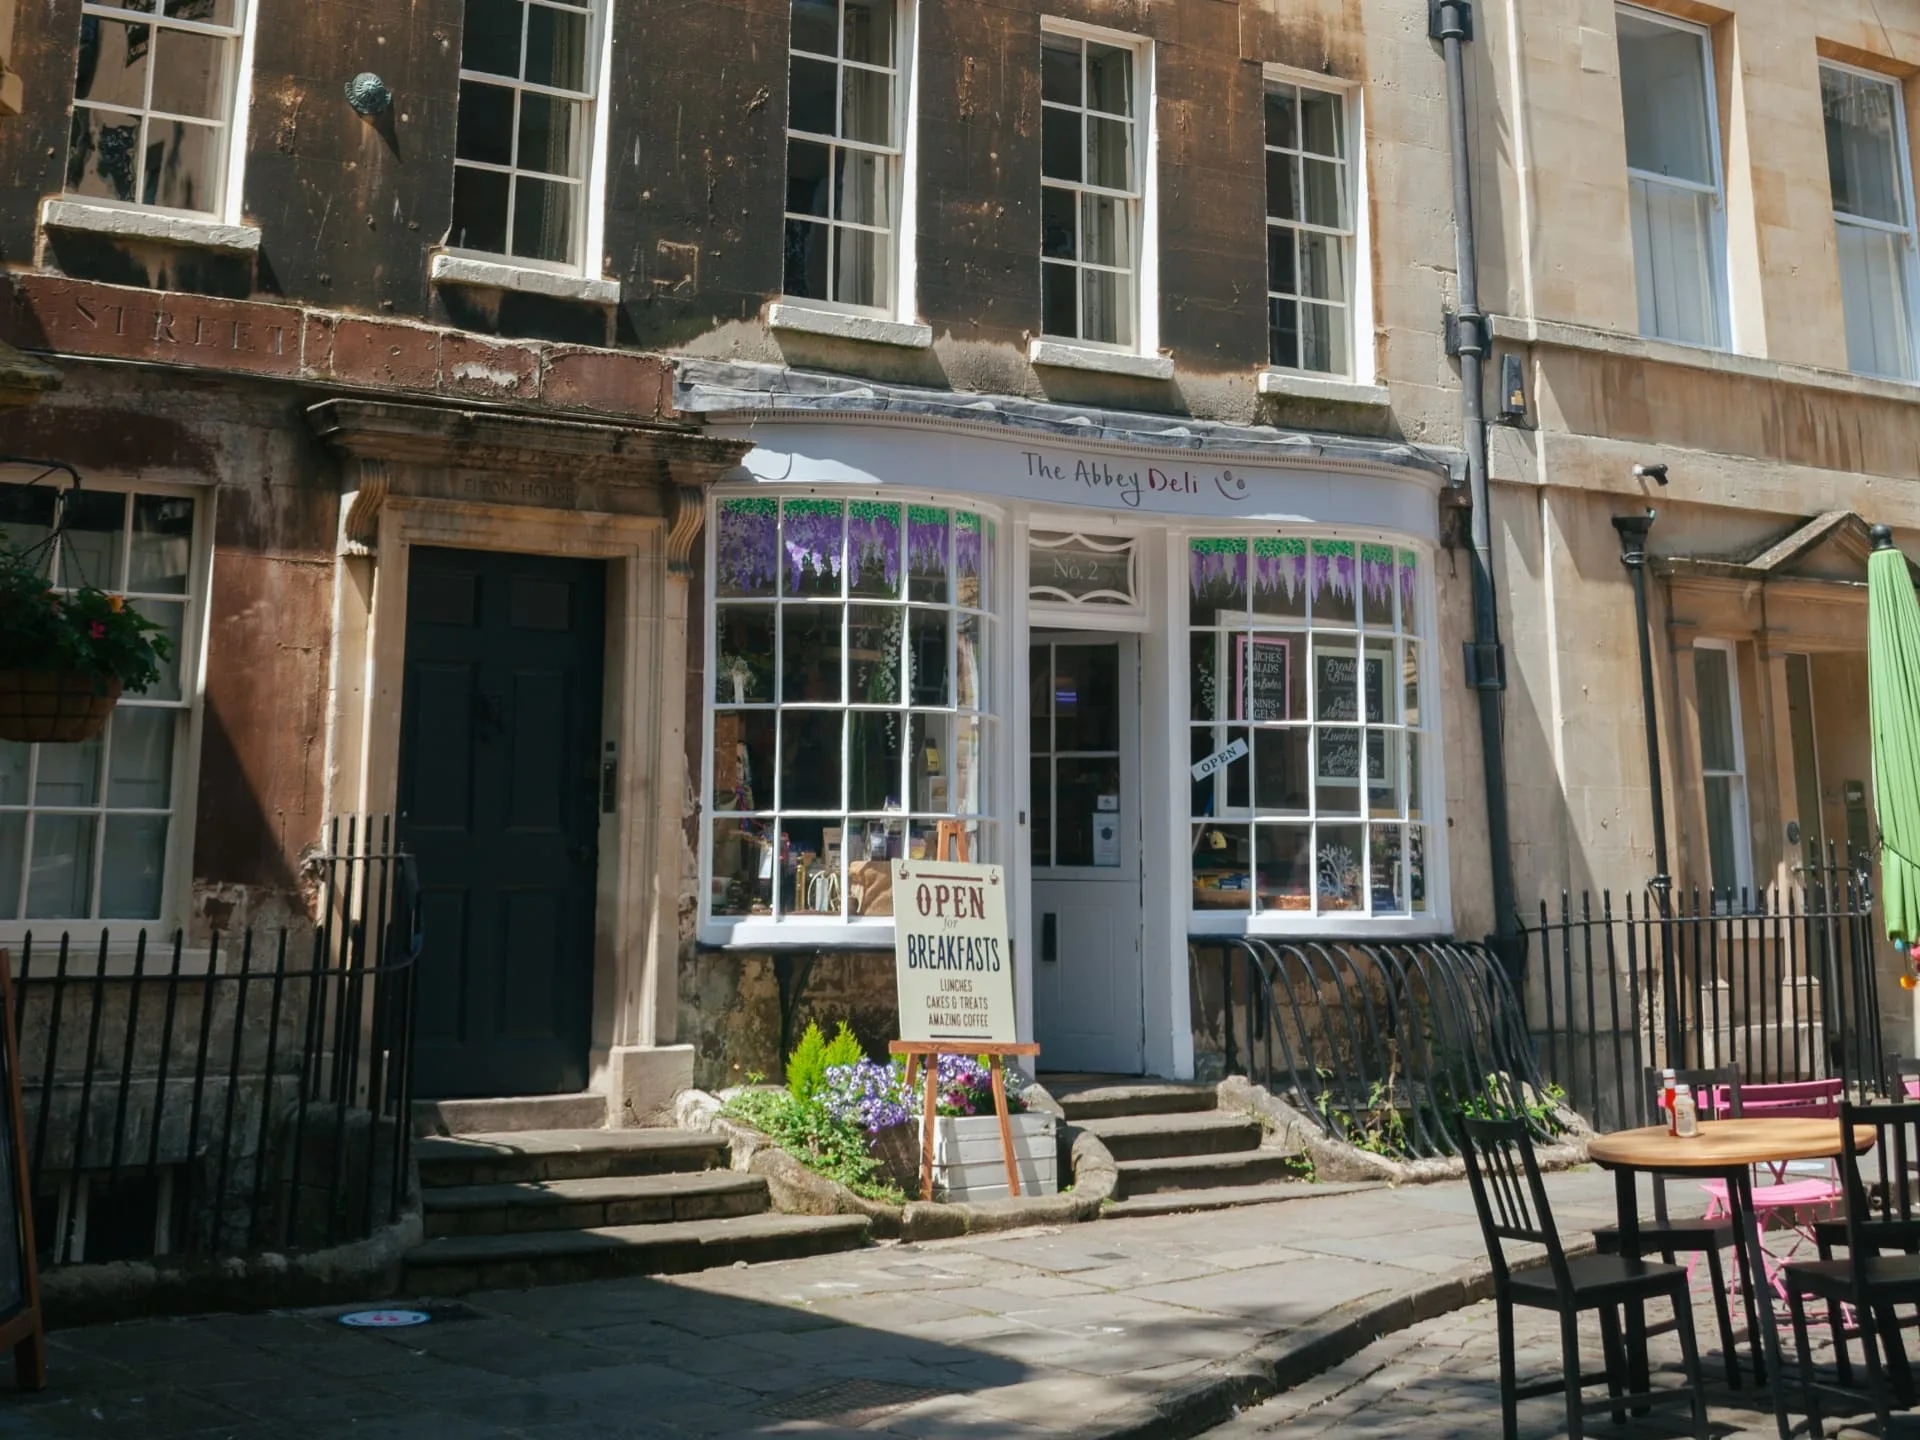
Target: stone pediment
{"type": "Point", "coordinates": [1830, 548]}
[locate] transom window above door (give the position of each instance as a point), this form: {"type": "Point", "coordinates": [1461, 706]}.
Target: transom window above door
{"type": "Point", "coordinates": [1082, 570]}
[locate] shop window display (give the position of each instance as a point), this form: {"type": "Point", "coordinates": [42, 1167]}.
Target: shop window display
{"type": "Point", "coordinates": [851, 718]}
{"type": "Point", "coordinates": [1307, 721]}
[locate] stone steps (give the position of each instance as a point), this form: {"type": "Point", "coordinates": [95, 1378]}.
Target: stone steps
{"type": "Point", "coordinates": [1104, 1102]}
{"type": "Point", "coordinates": [454, 1264]}
{"type": "Point", "coordinates": [507, 1158]}
{"type": "Point", "coordinates": [1155, 1137]}
{"type": "Point", "coordinates": [1201, 1172]}
{"type": "Point", "coordinates": [585, 1111]}
{"type": "Point", "coordinates": [609, 1200]}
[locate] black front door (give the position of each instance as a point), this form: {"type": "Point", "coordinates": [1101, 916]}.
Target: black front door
{"type": "Point", "coordinates": [500, 727]}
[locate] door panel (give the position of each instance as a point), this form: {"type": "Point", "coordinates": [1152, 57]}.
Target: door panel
{"type": "Point", "coordinates": [500, 732]}
{"type": "Point", "coordinates": [1083, 738]}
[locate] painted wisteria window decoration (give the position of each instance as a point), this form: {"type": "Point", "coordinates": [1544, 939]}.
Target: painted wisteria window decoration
{"type": "Point", "coordinates": [850, 704]}
{"type": "Point", "coordinates": [1304, 689]}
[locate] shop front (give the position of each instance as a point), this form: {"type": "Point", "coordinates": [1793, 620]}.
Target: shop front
{"type": "Point", "coordinates": [1177, 680]}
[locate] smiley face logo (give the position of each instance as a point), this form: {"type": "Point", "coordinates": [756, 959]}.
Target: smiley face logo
{"type": "Point", "coordinates": [1233, 486]}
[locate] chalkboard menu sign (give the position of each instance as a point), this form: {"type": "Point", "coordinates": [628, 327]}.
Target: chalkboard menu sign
{"type": "Point", "coordinates": [1261, 670]}
{"type": "Point", "coordinates": [1340, 755]}
{"type": "Point", "coordinates": [20, 1323]}
{"type": "Point", "coordinates": [1336, 696]}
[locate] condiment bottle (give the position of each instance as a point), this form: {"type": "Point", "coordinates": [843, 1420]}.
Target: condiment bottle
{"type": "Point", "coordinates": [1666, 1097]}
{"type": "Point", "coordinates": [1686, 1117]}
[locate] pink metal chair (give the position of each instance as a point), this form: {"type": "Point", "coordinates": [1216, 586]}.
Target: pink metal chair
{"type": "Point", "coordinates": [1790, 1187]}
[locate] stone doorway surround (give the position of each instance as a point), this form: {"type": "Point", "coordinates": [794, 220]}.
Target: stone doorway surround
{"type": "Point", "coordinates": [631, 494]}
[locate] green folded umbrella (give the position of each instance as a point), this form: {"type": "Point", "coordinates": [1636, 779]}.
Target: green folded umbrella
{"type": "Point", "coordinates": [1893, 675]}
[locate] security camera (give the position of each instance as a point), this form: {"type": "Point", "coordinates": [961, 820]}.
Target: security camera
{"type": "Point", "coordinates": [1656, 473]}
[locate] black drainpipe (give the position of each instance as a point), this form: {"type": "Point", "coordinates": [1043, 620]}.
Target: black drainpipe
{"type": "Point", "coordinates": [1451, 23]}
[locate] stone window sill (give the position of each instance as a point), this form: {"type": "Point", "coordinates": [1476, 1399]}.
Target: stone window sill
{"type": "Point", "coordinates": [125, 222]}
{"type": "Point", "coordinates": [752, 933]}
{"type": "Point", "coordinates": [1065, 356]}
{"type": "Point", "coordinates": [528, 280]}
{"type": "Point", "coordinates": [1321, 387]}
{"type": "Point", "coordinates": [874, 329]}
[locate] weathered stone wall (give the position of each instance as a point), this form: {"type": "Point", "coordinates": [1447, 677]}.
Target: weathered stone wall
{"type": "Point", "coordinates": [731, 1006]}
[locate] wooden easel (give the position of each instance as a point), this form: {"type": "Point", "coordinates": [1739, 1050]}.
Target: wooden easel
{"type": "Point", "coordinates": [24, 1332]}
{"type": "Point", "coordinates": [923, 1056]}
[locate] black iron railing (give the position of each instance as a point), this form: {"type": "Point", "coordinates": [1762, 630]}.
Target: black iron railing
{"type": "Point", "coordinates": [1782, 983]}
{"type": "Point", "coordinates": [245, 1091]}
{"type": "Point", "coordinates": [1383, 1044]}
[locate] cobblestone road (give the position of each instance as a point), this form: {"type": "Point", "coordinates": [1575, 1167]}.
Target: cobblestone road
{"type": "Point", "coordinates": [1441, 1380]}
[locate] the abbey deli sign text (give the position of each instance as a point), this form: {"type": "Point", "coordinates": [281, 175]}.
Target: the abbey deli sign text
{"type": "Point", "coordinates": [1133, 484]}
{"type": "Point", "coordinates": [952, 967]}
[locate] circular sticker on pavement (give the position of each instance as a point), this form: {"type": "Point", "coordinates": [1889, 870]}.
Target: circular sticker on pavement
{"type": "Point", "coordinates": [384, 1319]}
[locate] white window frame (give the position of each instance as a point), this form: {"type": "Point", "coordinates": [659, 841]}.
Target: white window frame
{"type": "Point", "coordinates": [1437, 917]}
{"type": "Point", "coordinates": [1908, 235]}
{"type": "Point", "coordinates": [1143, 199]}
{"type": "Point", "coordinates": [783, 930]}
{"type": "Point", "coordinates": [1359, 252]}
{"type": "Point", "coordinates": [1737, 791]}
{"type": "Point", "coordinates": [589, 215]}
{"type": "Point", "coordinates": [175, 886]}
{"type": "Point", "coordinates": [229, 205]}
{"type": "Point", "coordinates": [903, 184]}
{"type": "Point", "coordinates": [1716, 192]}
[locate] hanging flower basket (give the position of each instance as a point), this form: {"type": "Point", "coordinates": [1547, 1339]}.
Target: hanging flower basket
{"type": "Point", "coordinates": [59, 706]}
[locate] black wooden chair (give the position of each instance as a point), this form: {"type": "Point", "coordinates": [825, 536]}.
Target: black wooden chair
{"type": "Point", "coordinates": [1511, 1200]}
{"type": "Point", "coordinates": [1718, 1095]}
{"type": "Point", "coordinates": [1881, 1269]}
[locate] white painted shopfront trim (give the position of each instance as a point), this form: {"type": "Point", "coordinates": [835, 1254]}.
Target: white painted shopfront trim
{"type": "Point", "coordinates": [1165, 498]}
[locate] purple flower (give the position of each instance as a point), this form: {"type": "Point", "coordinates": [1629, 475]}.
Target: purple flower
{"type": "Point", "coordinates": [927, 551]}
{"type": "Point", "coordinates": [873, 543]}
{"type": "Point", "coordinates": [747, 546]}
{"type": "Point", "coordinates": [1408, 570]}
{"type": "Point", "coordinates": [1279, 565]}
{"type": "Point", "coordinates": [1376, 576]}
{"type": "Point", "coordinates": [813, 540]}
{"type": "Point", "coordinates": [1219, 563]}
{"type": "Point", "coordinates": [966, 546]}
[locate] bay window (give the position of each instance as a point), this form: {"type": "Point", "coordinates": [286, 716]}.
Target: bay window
{"type": "Point", "coordinates": [1309, 729]}
{"type": "Point", "coordinates": [1872, 218]}
{"type": "Point", "coordinates": [850, 712]}
{"type": "Point", "coordinates": [86, 829]}
{"type": "Point", "coordinates": [1673, 178]}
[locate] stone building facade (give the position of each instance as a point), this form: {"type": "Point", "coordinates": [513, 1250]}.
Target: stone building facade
{"type": "Point", "coordinates": [679, 458]}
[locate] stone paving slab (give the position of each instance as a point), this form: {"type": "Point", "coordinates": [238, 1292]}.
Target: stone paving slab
{"type": "Point", "coordinates": [1128, 1328]}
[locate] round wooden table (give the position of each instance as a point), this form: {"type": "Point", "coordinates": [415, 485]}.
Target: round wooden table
{"type": "Point", "coordinates": [1723, 1150]}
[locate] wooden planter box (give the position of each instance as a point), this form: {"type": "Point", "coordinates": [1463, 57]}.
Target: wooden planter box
{"type": "Point", "coordinates": [969, 1166]}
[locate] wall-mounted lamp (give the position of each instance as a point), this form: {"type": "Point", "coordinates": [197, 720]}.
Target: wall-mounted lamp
{"type": "Point", "coordinates": [1655, 473]}
{"type": "Point", "coordinates": [1513, 390]}
{"type": "Point", "coordinates": [367, 93]}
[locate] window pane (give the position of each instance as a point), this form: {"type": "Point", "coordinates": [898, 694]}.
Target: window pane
{"type": "Point", "coordinates": [189, 74]}
{"type": "Point", "coordinates": [1281, 276]}
{"type": "Point", "coordinates": [1280, 589]}
{"type": "Point", "coordinates": [927, 530]}
{"type": "Point", "coordinates": [869, 31]}
{"type": "Point", "coordinates": [113, 63]}
{"type": "Point", "coordinates": [970, 663]}
{"type": "Point", "coordinates": [1269, 677]}
{"type": "Point", "coordinates": [875, 644]}
{"type": "Point", "coordinates": [550, 135]}
{"type": "Point", "coordinates": [1059, 300]}
{"type": "Point", "coordinates": [1217, 580]}
{"type": "Point", "coordinates": [1283, 333]}
{"type": "Point", "coordinates": [1281, 126]}
{"type": "Point", "coordinates": [1386, 857]}
{"type": "Point", "coordinates": [1060, 152]}
{"type": "Point", "coordinates": [103, 154]}
{"type": "Point", "coordinates": [1324, 202]}
{"type": "Point", "coordinates": [811, 533]}
{"type": "Point", "coordinates": [1663, 89]}
{"type": "Point", "coordinates": [1338, 876]}
{"type": "Point", "coordinates": [1323, 339]}
{"type": "Point", "coordinates": [543, 219]}
{"type": "Point", "coordinates": [181, 169]}
{"type": "Point", "coordinates": [876, 749]}
{"type": "Point", "coordinates": [862, 194]}
{"type": "Point", "coordinates": [1107, 301]}
{"type": "Point", "coordinates": [26, 516]}
{"type": "Point", "coordinates": [479, 210]}
{"type": "Point", "coordinates": [1283, 186]}
{"type": "Point", "coordinates": [1417, 867]}
{"type": "Point", "coordinates": [1377, 583]}
{"type": "Point", "coordinates": [556, 47]}
{"type": "Point", "coordinates": [1323, 132]}
{"type": "Point", "coordinates": [1863, 149]}
{"type": "Point", "coordinates": [873, 549]}
{"type": "Point", "coordinates": [1106, 227]}
{"type": "Point", "coordinates": [811, 96]}
{"type": "Point", "coordinates": [810, 851]}
{"type": "Point", "coordinates": [1285, 866]}
{"type": "Point", "coordinates": [810, 759]}
{"type": "Point", "coordinates": [1109, 78]}
{"type": "Point", "coordinates": [1042, 798]}
{"type": "Point", "coordinates": [1222, 861]}
{"type": "Point", "coordinates": [90, 541]}
{"type": "Point", "coordinates": [1080, 787]}
{"type": "Point", "coordinates": [491, 39]}
{"type": "Point", "coordinates": [809, 170]}
{"type": "Point", "coordinates": [742, 868]}
{"type": "Point", "coordinates": [1331, 582]}
{"type": "Point", "coordinates": [171, 617]}
{"type": "Point", "coordinates": [1229, 787]}
{"type": "Point", "coordinates": [1873, 292]}
{"type": "Point", "coordinates": [13, 855]}
{"type": "Point", "coordinates": [807, 253]}
{"type": "Point", "coordinates": [60, 877]}
{"type": "Point", "coordinates": [1322, 266]}
{"type": "Point", "coordinates": [1721, 833]}
{"type": "Point", "coordinates": [1086, 698]}
{"type": "Point", "coordinates": [866, 111]}
{"type": "Point", "coordinates": [1281, 769]}
{"type": "Point", "coordinates": [1057, 224]}
{"type": "Point", "coordinates": [743, 667]}
{"type": "Point", "coordinates": [1109, 153]}
{"type": "Point", "coordinates": [947, 769]}
{"type": "Point", "coordinates": [69, 774]}
{"type": "Point", "coordinates": [1713, 685]}
{"type": "Point", "coordinates": [816, 25]}
{"type": "Point", "coordinates": [15, 761]}
{"type": "Point", "coordinates": [1337, 763]}
{"type": "Point", "coordinates": [743, 748]}
{"type": "Point", "coordinates": [810, 653]}
{"type": "Point", "coordinates": [162, 544]}
{"type": "Point", "coordinates": [140, 767]}
{"type": "Point", "coordinates": [1675, 263]}
{"type": "Point", "coordinates": [132, 867]}
{"type": "Point", "coordinates": [1060, 69]}
{"type": "Point", "coordinates": [747, 547]}
{"type": "Point", "coordinates": [927, 637]}
{"type": "Point", "coordinates": [859, 257]}
{"type": "Point", "coordinates": [972, 558]}
{"type": "Point", "coordinates": [871, 844]}
{"type": "Point", "coordinates": [484, 129]}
